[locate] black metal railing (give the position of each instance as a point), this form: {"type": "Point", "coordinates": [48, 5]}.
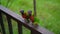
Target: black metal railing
{"type": "Point", "coordinates": [11, 15]}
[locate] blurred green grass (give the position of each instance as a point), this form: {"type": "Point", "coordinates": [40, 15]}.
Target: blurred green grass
{"type": "Point", "coordinates": [48, 11]}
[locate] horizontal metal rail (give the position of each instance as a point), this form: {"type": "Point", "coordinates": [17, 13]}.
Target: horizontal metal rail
{"type": "Point", "coordinates": [21, 21]}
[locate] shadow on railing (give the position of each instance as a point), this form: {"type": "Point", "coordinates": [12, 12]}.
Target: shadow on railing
{"type": "Point", "coordinates": [11, 15]}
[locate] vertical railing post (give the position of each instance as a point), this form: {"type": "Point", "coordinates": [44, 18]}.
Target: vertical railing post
{"type": "Point", "coordinates": [1, 23]}
{"type": "Point", "coordinates": [19, 27]}
{"type": "Point", "coordinates": [9, 24]}
{"type": "Point", "coordinates": [34, 4]}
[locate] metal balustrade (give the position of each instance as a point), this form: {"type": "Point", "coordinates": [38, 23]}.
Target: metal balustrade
{"type": "Point", "coordinates": [20, 21]}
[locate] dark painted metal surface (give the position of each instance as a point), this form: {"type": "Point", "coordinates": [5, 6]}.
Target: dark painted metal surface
{"type": "Point", "coordinates": [1, 23]}
{"type": "Point", "coordinates": [17, 17]}
{"type": "Point", "coordinates": [34, 32]}
{"type": "Point", "coordinates": [9, 24]}
{"type": "Point", "coordinates": [19, 27]}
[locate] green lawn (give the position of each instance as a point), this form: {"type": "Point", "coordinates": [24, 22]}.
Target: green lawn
{"type": "Point", "coordinates": [48, 11]}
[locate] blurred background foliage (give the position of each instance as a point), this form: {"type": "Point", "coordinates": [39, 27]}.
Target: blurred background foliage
{"type": "Point", "coordinates": [48, 11]}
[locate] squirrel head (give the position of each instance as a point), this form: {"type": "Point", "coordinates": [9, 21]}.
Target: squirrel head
{"type": "Point", "coordinates": [29, 12]}
{"type": "Point", "coordinates": [22, 11]}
